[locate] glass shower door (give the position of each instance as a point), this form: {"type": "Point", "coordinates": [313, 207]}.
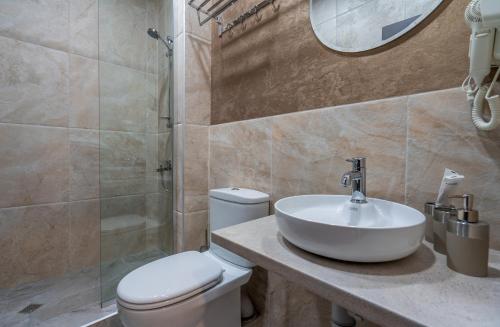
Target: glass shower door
{"type": "Point", "coordinates": [136, 175]}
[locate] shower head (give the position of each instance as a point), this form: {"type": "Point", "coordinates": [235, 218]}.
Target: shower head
{"type": "Point", "coordinates": [155, 35]}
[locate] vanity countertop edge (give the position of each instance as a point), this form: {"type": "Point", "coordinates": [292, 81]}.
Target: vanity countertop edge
{"type": "Point", "coordinates": [419, 290]}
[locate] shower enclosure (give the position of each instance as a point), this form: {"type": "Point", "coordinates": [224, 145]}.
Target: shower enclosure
{"type": "Point", "coordinates": [136, 171]}
{"type": "Point", "coordinates": [86, 143]}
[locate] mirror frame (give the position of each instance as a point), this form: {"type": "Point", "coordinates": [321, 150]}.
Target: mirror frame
{"type": "Point", "coordinates": [410, 27]}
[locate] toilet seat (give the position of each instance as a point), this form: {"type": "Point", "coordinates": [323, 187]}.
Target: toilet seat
{"type": "Point", "coordinates": [168, 281]}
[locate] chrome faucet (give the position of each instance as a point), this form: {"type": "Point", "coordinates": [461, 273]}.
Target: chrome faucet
{"type": "Point", "coordinates": [357, 179]}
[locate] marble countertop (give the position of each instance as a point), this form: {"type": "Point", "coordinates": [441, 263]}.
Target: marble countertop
{"type": "Point", "coordinates": [416, 291]}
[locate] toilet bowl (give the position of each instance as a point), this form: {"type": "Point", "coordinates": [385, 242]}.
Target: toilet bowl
{"type": "Point", "coordinates": [193, 289]}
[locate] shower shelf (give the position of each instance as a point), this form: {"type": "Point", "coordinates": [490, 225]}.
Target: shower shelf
{"type": "Point", "coordinates": [217, 7]}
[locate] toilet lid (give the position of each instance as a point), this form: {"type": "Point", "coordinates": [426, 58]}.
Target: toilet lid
{"type": "Point", "coordinates": [169, 280]}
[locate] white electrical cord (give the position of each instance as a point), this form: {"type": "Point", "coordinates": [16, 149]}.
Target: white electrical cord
{"type": "Point", "coordinates": [476, 96]}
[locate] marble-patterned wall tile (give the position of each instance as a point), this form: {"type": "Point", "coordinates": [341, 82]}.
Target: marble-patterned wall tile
{"type": "Point", "coordinates": [84, 235]}
{"type": "Point", "coordinates": [444, 112]}
{"type": "Point", "coordinates": [34, 163]}
{"type": "Point", "coordinates": [195, 230]}
{"type": "Point", "coordinates": [265, 69]}
{"type": "Point", "coordinates": [120, 206]}
{"type": "Point", "coordinates": [159, 207]}
{"type": "Point", "coordinates": [122, 34]}
{"type": "Point", "coordinates": [178, 160]}
{"type": "Point", "coordinates": [165, 98]}
{"type": "Point", "coordinates": [41, 22]}
{"type": "Point", "coordinates": [165, 158]}
{"type": "Point", "coordinates": [240, 155]}
{"type": "Point", "coordinates": [165, 146]}
{"type": "Point", "coordinates": [83, 27]}
{"type": "Point", "coordinates": [41, 255]}
{"type": "Point", "coordinates": [122, 163]}
{"type": "Point", "coordinates": [153, 178]}
{"type": "Point", "coordinates": [309, 149]}
{"type": "Point", "coordinates": [180, 78]}
{"type": "Point", "coordinates": [178, 231]}
{"type": "Point", "coordinates": [127, 98]}
{"type": "Point", "coordinates": [84, 92]}
{"type": "Point", "coordinates": [195, 181]}
{"type": "Point", "coordinates": [161, 221]}
{"type": "Point", "coordinates": [123, 226]}
{"type": "Point", "coordinates": [159, 152]}
{"type": "Point", "coordinates": [84, 164]}
{"type": "Point", "coordinates": [192, 25]}
{"type": "Point", "coordinates": [198, 96]}
{"type": "Point", "coordinates": [152, 20]}
{"type": "Point", "coordinates": [33, 84]}
{"type": "Point", "coordinates": [441, 136]}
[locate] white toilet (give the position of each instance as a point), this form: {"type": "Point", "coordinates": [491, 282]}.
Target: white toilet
{"type": "Point", "coordinates": [193, 289]}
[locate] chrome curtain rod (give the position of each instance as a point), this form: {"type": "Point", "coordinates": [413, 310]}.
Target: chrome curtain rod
{"type": "Point", "coordinates": [249, 13]}
{"type": "Point", "coordinates": [216, 10]}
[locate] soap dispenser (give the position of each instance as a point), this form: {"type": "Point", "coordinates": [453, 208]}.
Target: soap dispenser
{"type": "Point", "coordinates": [467, 240]}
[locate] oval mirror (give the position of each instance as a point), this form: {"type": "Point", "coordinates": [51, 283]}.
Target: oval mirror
{"type": "Point", "coordinates": [361, 25]}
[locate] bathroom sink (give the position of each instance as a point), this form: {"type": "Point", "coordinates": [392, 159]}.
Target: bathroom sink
{"type": "Point", "coordinates": [334, 227]}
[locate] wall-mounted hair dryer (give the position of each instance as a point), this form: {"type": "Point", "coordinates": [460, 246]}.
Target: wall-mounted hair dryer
{"type": "Point", "coordinates": [483, 17]}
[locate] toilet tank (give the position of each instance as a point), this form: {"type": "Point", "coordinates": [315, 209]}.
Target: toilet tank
{"type": "Point", "coordinates": [231, 206]}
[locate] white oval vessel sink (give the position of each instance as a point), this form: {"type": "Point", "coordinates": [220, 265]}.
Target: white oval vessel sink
{"type": "Point", "coordinates": [332, 226]}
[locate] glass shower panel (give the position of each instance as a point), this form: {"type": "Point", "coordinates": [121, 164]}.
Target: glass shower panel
{"type": "Point", "coordinates": [135, 67]}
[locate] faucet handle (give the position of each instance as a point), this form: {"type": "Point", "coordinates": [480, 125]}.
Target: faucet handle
{"type": "Point", "coordinates": [346, 180]}
{"type": "Point", "coordinates": [357, 163]}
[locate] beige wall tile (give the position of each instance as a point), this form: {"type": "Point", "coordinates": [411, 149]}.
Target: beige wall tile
{"type": "Point", "coordinates": [83, 27]}
{"type": "Point", "coordinates": [240, 155]}
{"type": "Point", "coordinates": [41, 22]}
{"type": "Point", "coordinates": [195, 226]}
{"type": "Point", "coordinates": [441, 135]}
{"type": "Point", "coordinates": [179, 167]}
{"type": "Point", "coordinates": [34, 163]}
{"type": "Point", "coordinates": [153, 178]}
{"type": "Point", "coordinates": [84, 235]}
{"type": "Point", "coordinates": [198, 61]}
{"type": "Point", "coordinates": [123, 206]}
{"type": "Point", "coordinates": [160, 231]}
{"type": "Point", "coordinates": [180, 78]}
{"type": "Point", "coordinates": [195, 181]}
{"type": "Point", "coordinates": [122, 163]}
{"type": "Point", "coordinates": [122, 34]}
{"type": "Point", "coordinates": [165, 96]}
{"type": "Point", "coordinates": [41, 255]}
{"type": "Point", "coordinates": [84, 92]}
{"type": "Point", "coordinates": [84, 164]}
{"type": "Point", "coordinates": [444, 112]}
{"type": "Point", "coordinates": [159, 207]}
{"type": "Point", "coordinates": [33, 84]}
{"type": "Point", "coordinates": [123, 226]}
{"type": "Point", "coordinates": [178, 231]}
{"type": "Point", "coordinates": [192, 24]}
{"type": "Point", "coordinates": [309, 149]}
{"type": "Point", "coordinates": [127, 99]}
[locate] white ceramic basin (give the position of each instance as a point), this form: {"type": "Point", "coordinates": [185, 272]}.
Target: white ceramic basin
{"type": "Point", "coordinates": [332, 226]}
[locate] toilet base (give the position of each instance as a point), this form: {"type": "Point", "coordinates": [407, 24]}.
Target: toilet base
{"type": "Point", "coordinates": [220, 312]}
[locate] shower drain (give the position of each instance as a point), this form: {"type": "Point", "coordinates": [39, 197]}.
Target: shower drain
{"type": "Point", "coordinates": [30, 308]}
